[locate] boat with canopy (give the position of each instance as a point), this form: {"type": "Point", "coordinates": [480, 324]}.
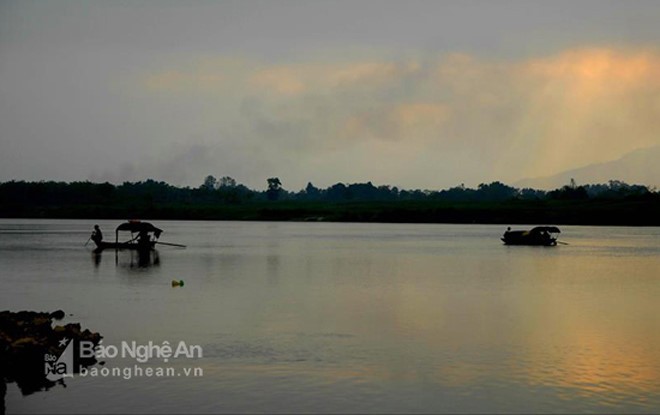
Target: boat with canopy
{"type": "Point", "coordinates": [145, 240]}
{"type": "Point", "coordinates": [540, 235]}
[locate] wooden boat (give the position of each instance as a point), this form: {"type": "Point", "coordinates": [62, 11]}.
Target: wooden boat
{"type": "Point", "coordinates": [125, 245]}
{"type": "Point", "coordinates": [540, 236]}
{"type": "Point", "coordinates": [147, 236]}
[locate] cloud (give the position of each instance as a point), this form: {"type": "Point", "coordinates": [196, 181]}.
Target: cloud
{"type": "Point", "coordinates": [592, 105]}
{"type": "Point", "coordinates": [281, 80]}
{"type": "Point", "coordinates": [177, 81]}
{"type": "Point", "coordinates": [399, 122]}
{"type": "Point", "coordinates": [433, 122]}
{"type": "Point", "coordinates": [189, 163]}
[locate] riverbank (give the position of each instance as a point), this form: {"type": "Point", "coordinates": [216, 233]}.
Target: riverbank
{"type": "Point", "coordinates": [26, 337]}
{"type": "Point", "coordinates": [615, 212]}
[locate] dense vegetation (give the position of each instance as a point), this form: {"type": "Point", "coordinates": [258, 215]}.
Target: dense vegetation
{"type": "Point", "coordinates": [614, 203]}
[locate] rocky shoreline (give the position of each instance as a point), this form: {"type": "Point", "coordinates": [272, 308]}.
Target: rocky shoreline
{"type": "Point", "coordinates": [26, 337]}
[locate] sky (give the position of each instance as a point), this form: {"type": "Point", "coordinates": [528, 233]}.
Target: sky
{"type": "Point", "coordinates": [417, 94]}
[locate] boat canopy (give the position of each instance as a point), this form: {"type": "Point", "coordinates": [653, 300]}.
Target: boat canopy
{"type": "Point", "coordinates": [135, 226]}
{"type": "Point", "coordinates": [549, 229]}
{"type": "Point", "coordinates": [138, 226]}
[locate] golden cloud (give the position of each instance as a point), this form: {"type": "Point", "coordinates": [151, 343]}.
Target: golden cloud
{"type": "Point", "coordinates": [295, 79]}
{"type": "Point", "coordinates": [509, 119]}
{"type": "Point", "coordinates": [598, 66]}
{"type": "Point", "coordinates": [280, 79]}
{"type": "Point", "coordinates": [407, 121]}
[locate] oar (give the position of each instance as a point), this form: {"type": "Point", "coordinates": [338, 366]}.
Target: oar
{"type": "Point", "coordinates": [90, 238]}
{"type": "Point", "coordinates": [563, 243]}
{"type": "Point", "coordinates": [171, 244]}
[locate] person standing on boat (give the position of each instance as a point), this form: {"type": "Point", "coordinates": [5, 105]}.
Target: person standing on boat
{"type": "Point", "coordinates": [97, 235]}
{"type": "Point", "coordinates": [545, 236]}
{"type": "Point", "coordinates": [143, 239]}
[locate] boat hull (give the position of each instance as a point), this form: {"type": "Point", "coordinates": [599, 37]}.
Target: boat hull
{"type": "Point", "coordinates": [100, 246]}
{"type": "Point", "coordinates": [529, 242]}
{"type": "Point", "coordinates": [535, 237]}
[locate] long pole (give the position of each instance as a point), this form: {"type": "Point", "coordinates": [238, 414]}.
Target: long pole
{"type": "Point", "coordinates": [90, 238]}
{"type": "Point", "coordinates": [170, 244]}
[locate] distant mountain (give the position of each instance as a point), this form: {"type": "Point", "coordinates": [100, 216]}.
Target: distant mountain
{"type": "Point", "coordinates": [641, 166]}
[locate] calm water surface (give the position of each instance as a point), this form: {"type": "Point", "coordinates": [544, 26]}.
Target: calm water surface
{"type": "Point", "coordinates": [302, 317]}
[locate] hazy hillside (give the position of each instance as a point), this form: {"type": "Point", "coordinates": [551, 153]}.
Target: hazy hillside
{"type": "Point", "coordinates": [637, 167]}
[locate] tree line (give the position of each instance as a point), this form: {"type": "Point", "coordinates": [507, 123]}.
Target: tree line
{"type": "Point", "coordinates": [227, 191]}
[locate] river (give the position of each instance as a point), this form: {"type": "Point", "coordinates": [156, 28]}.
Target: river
{"type": "Point", "coordinates": [349, 317]}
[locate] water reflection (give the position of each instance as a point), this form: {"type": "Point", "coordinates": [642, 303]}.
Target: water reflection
{"type": "Point", "coordinates": [140, 259]}
{"type": "Point", "coordinates": [131, 260]}
{"type": "Point", "coordinates": [536, 329]}
{"type": "Point", "coordinates": [96, 258]}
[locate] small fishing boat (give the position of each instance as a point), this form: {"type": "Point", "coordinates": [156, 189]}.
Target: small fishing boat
{"type": "Point", "coordinates": [146, 239]}
{"type": "Point", "coordinates": [540, 235]}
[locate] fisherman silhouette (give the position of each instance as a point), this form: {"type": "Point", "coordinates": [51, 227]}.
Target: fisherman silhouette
{"type": "Point", "coordinates": [545, 235]}
{"type": "Point", "coordinates": [143, 239]}
{"type": "Point", "coordinates": [97, 235]}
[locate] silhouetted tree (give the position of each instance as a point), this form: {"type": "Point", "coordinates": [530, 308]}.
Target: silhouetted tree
{"type": "Point", "coordinates": [210, 183]}
{"type": "Point", "coordinates": [616, 189]}
{"type": "Point", "coordinates": [312, 192]}
{"type": "Point", "coordinates": [531, 194]}
{"type": "Point", "coordinates": [569, 193]}
{"type": "Point", "coordinates": [495, 191]}
{"type": "Point", "coordinates": [336, 192]}
{"type": "Point", "coordinates": [455, 194]}
{"type": "Point", "coordinates": [226, 181]}
{"type": "Point", "coordinates": [274, 188]}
